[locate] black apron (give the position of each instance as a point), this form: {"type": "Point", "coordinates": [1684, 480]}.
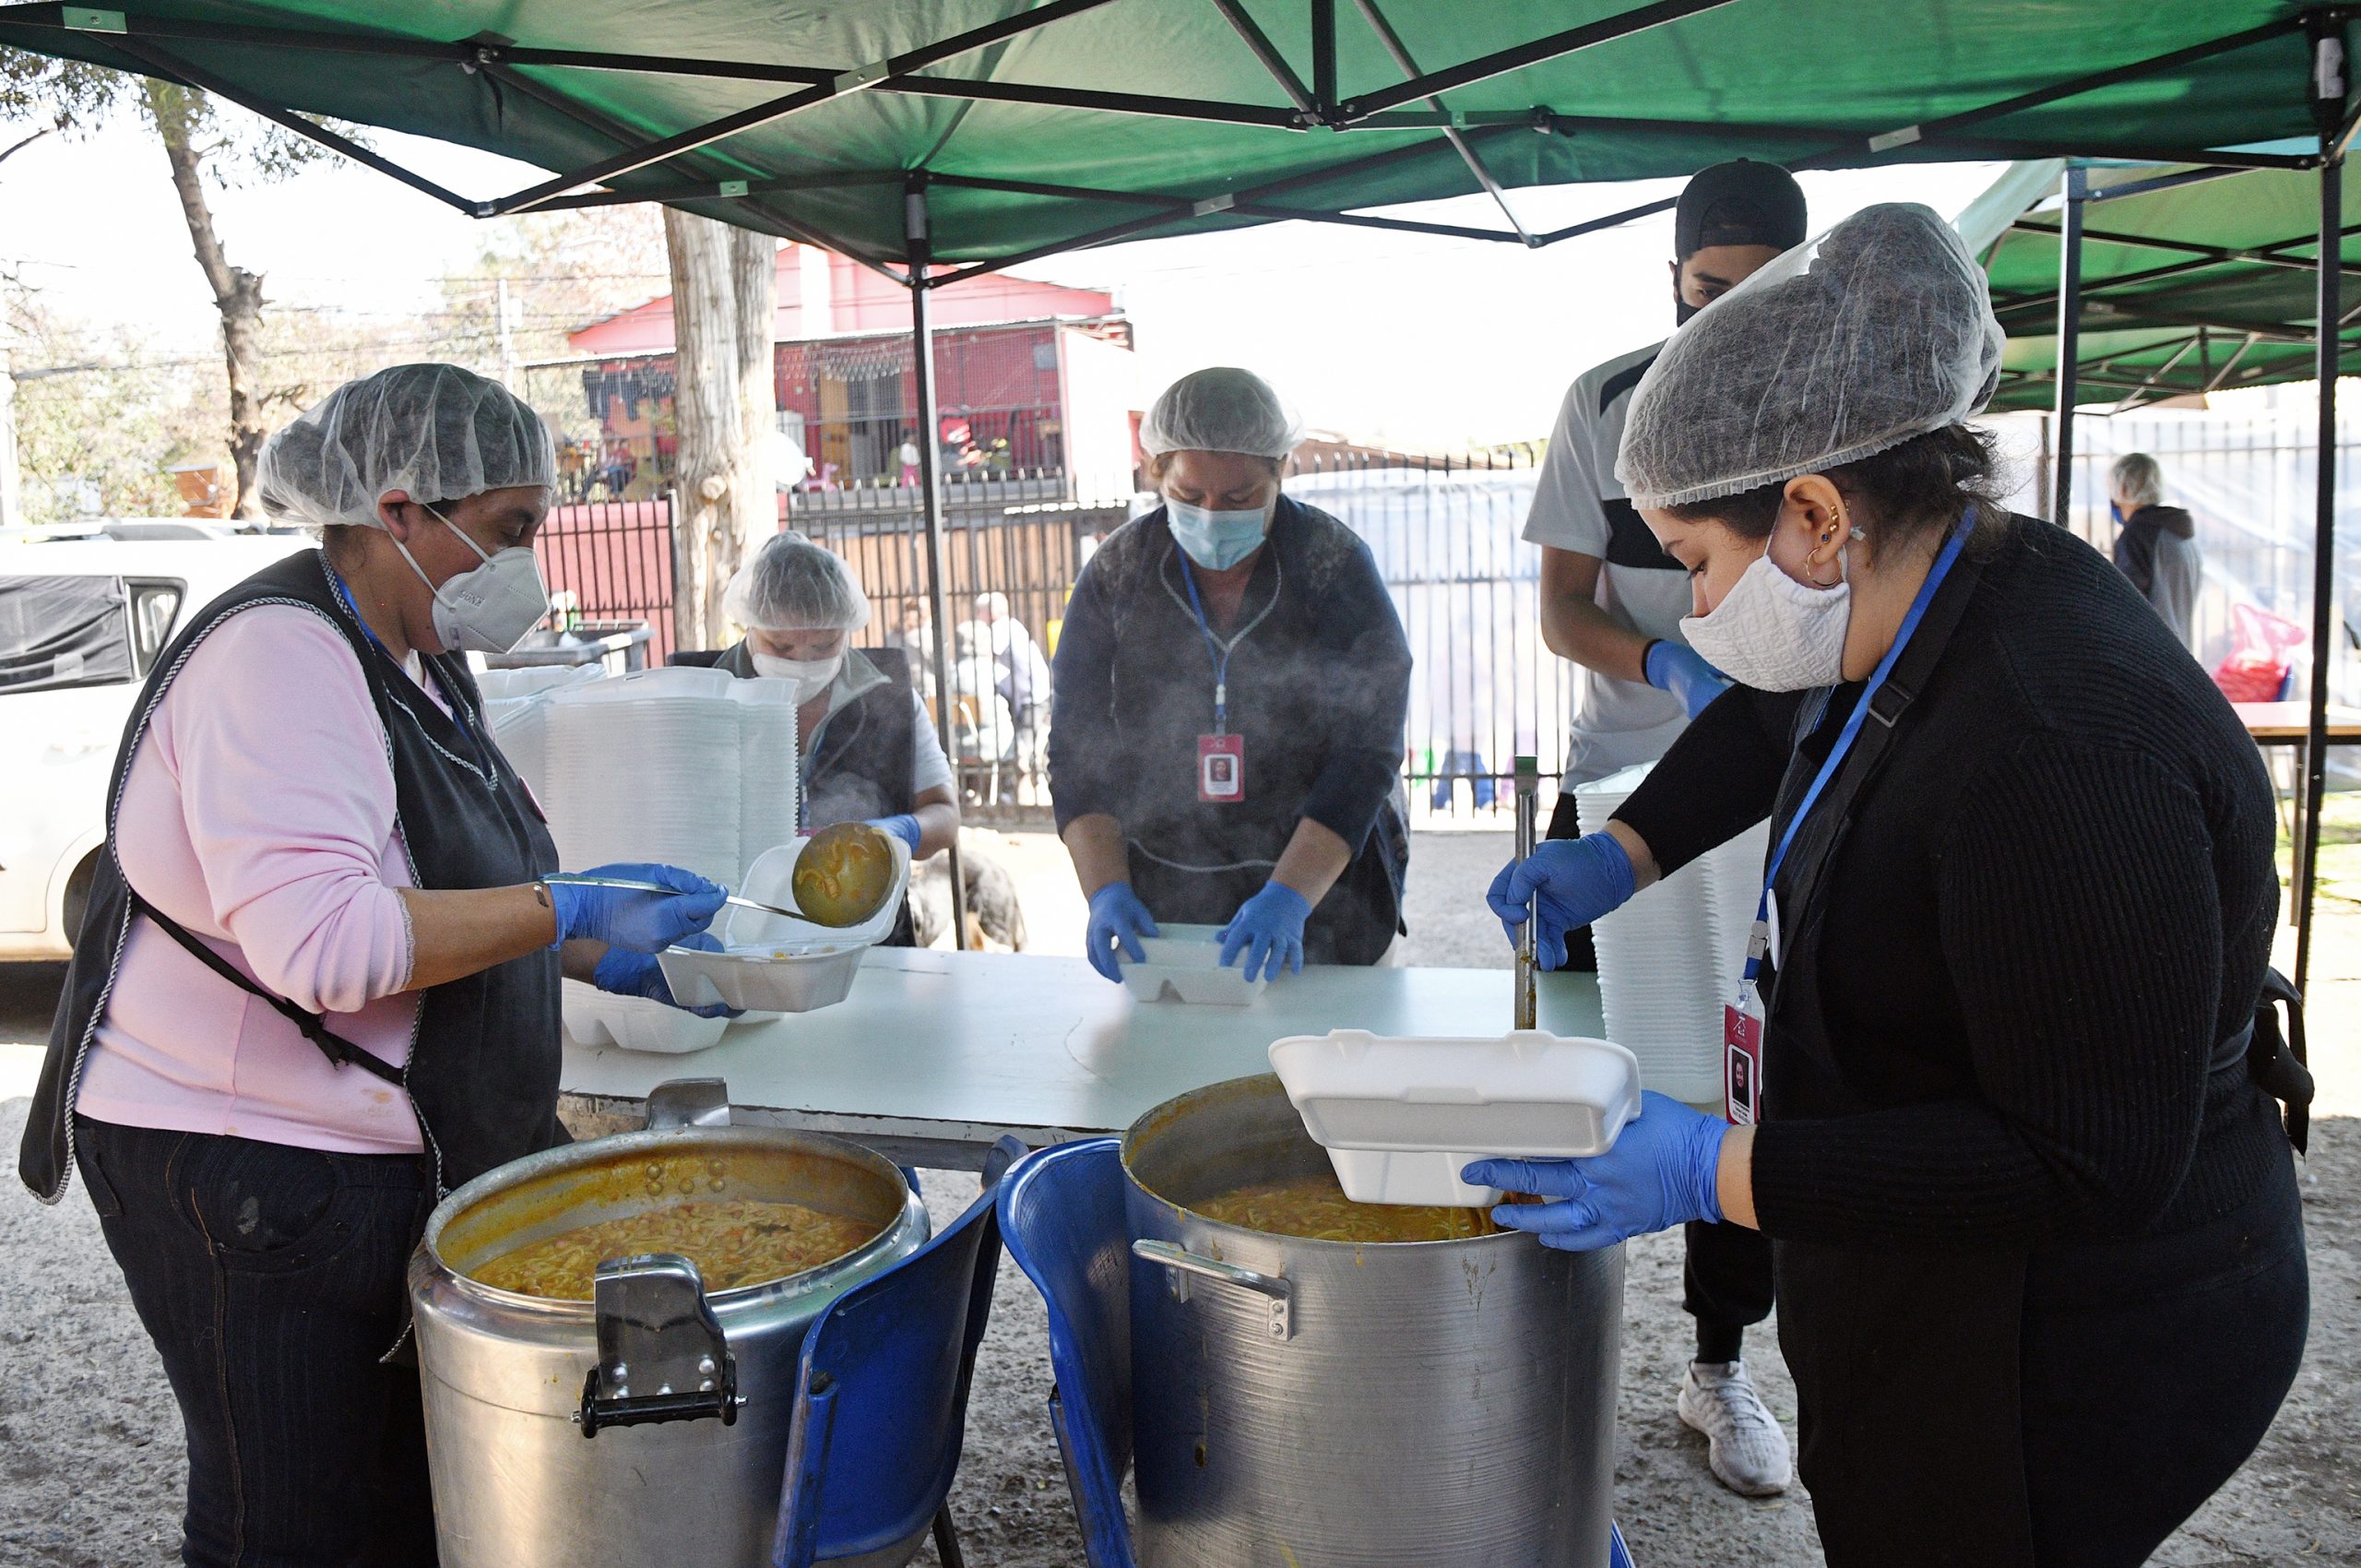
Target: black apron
{"type": "Point", "coordinates": [482, 1072]}
{"type": "Point", "coordinates": [1906, 1369]}
{"type": "Point", "coordinates": [860, 769]}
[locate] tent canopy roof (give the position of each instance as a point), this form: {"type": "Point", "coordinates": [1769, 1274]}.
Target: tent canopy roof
{"type": "Point", "coordinates": [2194, 279]}
{"type": "Point", "coordinates": [1045, 125]}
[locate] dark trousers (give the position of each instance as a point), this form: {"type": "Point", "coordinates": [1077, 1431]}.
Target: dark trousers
{"type": "Point", "coordinates": [1725, 1277]}
{"type": "Point", "coordinates": [2151, 1369]}
{"type": "Point", "coordinates": [272, 1280]}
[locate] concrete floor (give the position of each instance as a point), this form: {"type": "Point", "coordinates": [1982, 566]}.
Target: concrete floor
{"type": "Point", "coordinates": [90, 1458]}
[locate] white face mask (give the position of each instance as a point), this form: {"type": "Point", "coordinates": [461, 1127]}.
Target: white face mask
{"type": "Point", "coordinates": [811, 675]}
{"type": "Point", "coordinates": [1774, 634]}
{"type": "Point", "coordinates": [485, 609]}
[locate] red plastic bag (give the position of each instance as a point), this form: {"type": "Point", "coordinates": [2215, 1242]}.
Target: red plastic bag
{"type": "Point", "coordinates": [2258, 666]}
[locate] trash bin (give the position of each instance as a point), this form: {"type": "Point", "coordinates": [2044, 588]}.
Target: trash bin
{"type": "Point", "coordinates": [622, 646]}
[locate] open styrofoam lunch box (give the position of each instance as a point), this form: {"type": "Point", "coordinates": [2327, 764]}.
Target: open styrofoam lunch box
{"type": "Point", "coordinates": [1399, 1116]}
{"type": "Point", "coordinates": [595, 1017]}
{"type": "Point", "coordinates": [776, 963]}
{"type": "Point", "coordinates": [1184, 963]}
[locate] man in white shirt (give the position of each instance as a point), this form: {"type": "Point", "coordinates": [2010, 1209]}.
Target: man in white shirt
{"type": "Point", "coordinates": [1612, 602]}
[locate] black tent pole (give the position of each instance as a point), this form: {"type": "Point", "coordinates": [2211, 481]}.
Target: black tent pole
{"type": "Point", "coordinates": [914, 228]}
{"type": "Point", "coordinates": [2328, 81]}
{"type": "Point", "coordinates": [2070, 339]}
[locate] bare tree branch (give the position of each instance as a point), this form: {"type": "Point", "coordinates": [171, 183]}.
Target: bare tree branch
{"type": "Point", "coordinates": [11, 153]}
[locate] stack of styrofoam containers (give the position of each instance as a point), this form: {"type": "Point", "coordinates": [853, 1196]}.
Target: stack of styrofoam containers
{"type": "Point", "coordinates": [1669, 960]}
{"type": "Point", "coordinates": [768, 767]}
{"type": "Point", "coordinates": [517, 708]}
{"type": "Point", "coordinates": [692, 767]}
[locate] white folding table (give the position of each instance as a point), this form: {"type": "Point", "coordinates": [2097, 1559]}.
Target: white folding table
{"type": "Point", "coordinates": [936, 1054]}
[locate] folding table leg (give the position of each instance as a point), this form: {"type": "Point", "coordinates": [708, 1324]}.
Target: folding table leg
{"type": "Point", "coordinates": [946, 1539]}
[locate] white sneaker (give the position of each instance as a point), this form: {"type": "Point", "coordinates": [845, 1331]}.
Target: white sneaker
{"type": "Point", "coordinates": [1744, 1442]}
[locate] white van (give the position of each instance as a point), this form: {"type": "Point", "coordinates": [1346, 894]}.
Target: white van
{"type": "Point", "coordinates": [81, 621]}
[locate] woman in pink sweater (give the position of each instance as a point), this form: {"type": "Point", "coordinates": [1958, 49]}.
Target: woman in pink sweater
{"type": "Point", "coordinates": [317, 984]}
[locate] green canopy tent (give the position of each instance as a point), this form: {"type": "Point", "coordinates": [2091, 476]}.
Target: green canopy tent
{"type": "Point", "coordinates": [2194, 278]}
{"type": "Point", "coordinates": [936, 138]}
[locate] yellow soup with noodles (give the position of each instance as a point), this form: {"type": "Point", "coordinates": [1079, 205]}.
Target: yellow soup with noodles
{"type": "Point", "coordinates": [1316, 1207]}
{"type": "Point", "coordinates": [733, 1242]}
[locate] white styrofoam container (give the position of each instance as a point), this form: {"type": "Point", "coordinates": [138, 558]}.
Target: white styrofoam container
{"type": "Point", "coordinates": [771, 880]}
{"type": "Point", "coordinates": [1400, 1116]}
{"type": "Point", "coordinates": [596, 1018]}
{"type": "Point", "coordinates": [775, 962]}
{"type": "Point", "coordinates": [766, 978]}
{"type": "Point", "coordinates": [1184, 964]}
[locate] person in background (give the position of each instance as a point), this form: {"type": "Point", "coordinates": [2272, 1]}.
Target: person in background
{"type": "Point", "coordinates": [1611, 602]}
{"type": "Point", "coordinates": [908, 454]}
{"type": "Point", "coordinates": [2005, 1078]}
{"type": "Point", "coordinates": [870, 751]}
{"type": "Point", "coordinates": [1231, 684]}
{"type": "Point", "coordinates": [317, 984]}
{"type": "Point", "coordinates": [1025, 676]}
{"type": "Point", "coordinates": [2156, 545]}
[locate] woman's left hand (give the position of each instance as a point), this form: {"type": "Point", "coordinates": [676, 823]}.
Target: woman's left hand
{"type": "Point", "coordinates": [626, 973]}
{"type": "Point", "coordinates": [1664, 1170]}
{"type": "Point", "coordinates": [1268, 928]}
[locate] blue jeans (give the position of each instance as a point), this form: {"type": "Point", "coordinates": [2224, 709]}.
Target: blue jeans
{"type": "Point", "coordinates": [271, 1279]}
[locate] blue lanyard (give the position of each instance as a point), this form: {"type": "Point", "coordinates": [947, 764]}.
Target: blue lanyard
{"type": "Point", "coordinates": [1852, 727]}
{"type": "Point", "coordinates": [1214, 651]}
{"type": "Point", "coordinates": [458, 708]}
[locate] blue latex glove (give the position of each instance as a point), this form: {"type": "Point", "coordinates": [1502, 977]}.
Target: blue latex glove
{"type": "Point", "coordinates": [1579, 880]}
{"type": "Point", "coordinates": [1676, 667]}
{"type": "Point", "coordinates": [627, 973]}
{"type": "Point", "coordinates": [1663, 1171]}
{"type": "Point", "coordinates": [645, 923]}
{"type": "Point", "coordinates": [1268, 928]}
{"type": "Point", "coordinates": [904, 827]}
{"type": "Point", "coordinates": [1118, 920]}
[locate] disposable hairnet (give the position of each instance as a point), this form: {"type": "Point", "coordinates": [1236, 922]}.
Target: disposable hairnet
{"type": "Point", "coordinates": [793, 585]}
{"type": "Point", "coordinates": [1880, 330]}
{"type": "Point", "coordinates": [435, 431]}
{"type": "Point", "coordinates": [1221, 410]}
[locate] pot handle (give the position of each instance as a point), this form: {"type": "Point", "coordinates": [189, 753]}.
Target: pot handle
{"type": "Point", "coordinates": [688, 1102]}
{"type": "Point", "coordinates": [1181, 1263]}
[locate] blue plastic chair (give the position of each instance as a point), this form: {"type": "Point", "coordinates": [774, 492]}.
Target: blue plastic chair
{"type": "Point", "coordinates": [1062, 1213]}
{"type": "Point", "coordinates": [1061, 1217]}
{"type": "Point", "coordinates": [881, 1400]}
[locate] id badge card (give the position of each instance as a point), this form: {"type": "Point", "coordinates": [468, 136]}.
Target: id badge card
{"type": "Point", "coordinates": [1221, 769]}
{"type": "Point", "coordinates": [1742, 1057]}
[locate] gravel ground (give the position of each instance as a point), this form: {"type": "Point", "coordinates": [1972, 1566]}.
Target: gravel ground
{"type": "Point", "coordinates": [90, 1449]}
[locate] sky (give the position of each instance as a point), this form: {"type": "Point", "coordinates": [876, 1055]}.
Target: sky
{"type": "Point", "coordinates": [1400, 338]}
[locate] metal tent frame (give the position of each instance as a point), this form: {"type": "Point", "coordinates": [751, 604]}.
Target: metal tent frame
{"type": "Point", "coordinates": [158, 42]}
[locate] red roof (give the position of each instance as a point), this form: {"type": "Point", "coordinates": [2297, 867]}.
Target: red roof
{"type": "Point", "coordinates": [822, 294]}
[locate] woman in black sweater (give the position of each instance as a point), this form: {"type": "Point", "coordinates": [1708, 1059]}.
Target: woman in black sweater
{"type": "Point", "coordinates": [2039, 1250]}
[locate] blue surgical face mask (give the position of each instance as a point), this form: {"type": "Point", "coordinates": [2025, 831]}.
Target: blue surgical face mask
{"type": "Point", "coordinates": [1218, 540]}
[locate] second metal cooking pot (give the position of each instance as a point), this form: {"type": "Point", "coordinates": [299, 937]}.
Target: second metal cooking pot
{"type": "Point", "coordinates": [648, 1427]}
{"type": "Point", "coordinates": [1336, 1404]}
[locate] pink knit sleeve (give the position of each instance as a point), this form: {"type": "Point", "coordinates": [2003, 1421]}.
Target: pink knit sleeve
{"type": "Point", "coordinates": [288, 798]}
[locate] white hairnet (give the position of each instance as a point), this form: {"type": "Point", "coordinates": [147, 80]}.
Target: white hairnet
{"type": "Point", "coordinates": [1879, 330]}
{"type": "Point", "coordinates": [793, 585]}
{"type": "Point", "coordinates": [1220, 409]}
{"type": "Point", "coordinates": [435, 431]}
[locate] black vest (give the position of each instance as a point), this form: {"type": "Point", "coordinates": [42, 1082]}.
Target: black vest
{"type": "Point", "coordinates": [483, 1074]}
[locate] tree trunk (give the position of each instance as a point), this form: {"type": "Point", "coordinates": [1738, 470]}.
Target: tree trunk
{"type": "Point", "coordinates": [753, 264]}
{"type": "Point", "coordinates": [705, 412]}
{"type": "Point", "coordinates": [237, 292]}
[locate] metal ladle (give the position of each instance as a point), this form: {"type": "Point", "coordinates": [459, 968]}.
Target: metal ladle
{"type": "Point", "coordinates": [633, 885]}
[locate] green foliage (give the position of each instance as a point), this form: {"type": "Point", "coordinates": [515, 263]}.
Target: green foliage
{"type": "Point", "coordinates": [101, 416]}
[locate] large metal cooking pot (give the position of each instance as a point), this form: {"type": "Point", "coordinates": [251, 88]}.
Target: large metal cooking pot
{"type": "Point", "coordinates": [648, 1427]}
{"type": "Point", "coordinates": [1323, 1404]}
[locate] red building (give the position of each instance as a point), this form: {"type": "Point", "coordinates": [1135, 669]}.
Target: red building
{"type": "Point", "coordinates": [1033, 380]}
